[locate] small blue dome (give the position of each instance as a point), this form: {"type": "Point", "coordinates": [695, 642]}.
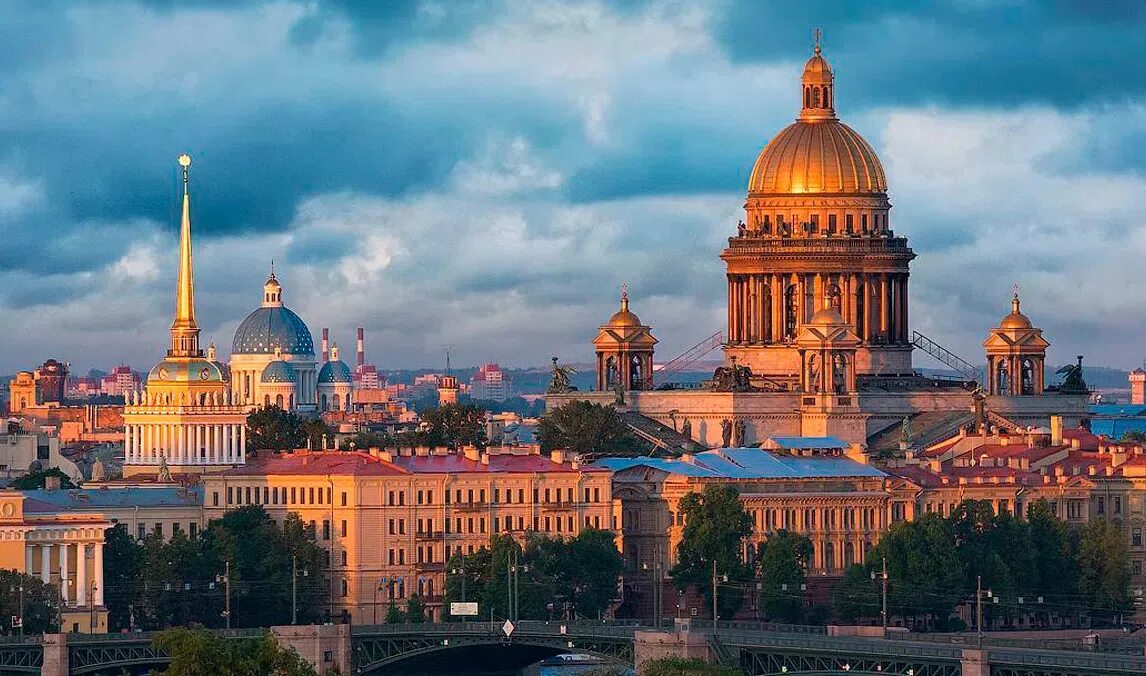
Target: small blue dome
{"type": "Point", "coordinates": [278, 372]}
{"type": "Point", "coordinates": [269, 327]}
{"type": "Point", "coordinates": [335, 372]}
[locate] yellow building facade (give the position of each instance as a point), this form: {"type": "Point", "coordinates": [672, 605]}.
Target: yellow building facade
{"type": "Point", "coordinates": [389, 522]}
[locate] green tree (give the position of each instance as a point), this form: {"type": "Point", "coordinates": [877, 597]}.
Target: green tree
{"type": "Point", "coordinates": [677, 666]}
{"type": "Point", "coordinates": [260, 556]}
{"type": "Point", "coordinates": [314, 431]}
{"type": "Point", "coordinates": [36, 480]}
{"type": "Point", "coordinates": [581, 571]}
{"type": "Point", "coordinates": [455, 425]}
{"type": "Point", "coordinates": [272, 428]}
{"type": "Point", "coordinates": [123, 564]}
{"type": "Point", "coordinates": [394, 614]}
{"type": "Point", "coordinates": [1104, 562]}
{"type": "Point", "coordinates": [39, 603]}
{"type": "Point", "coordinates": [586, 429]}
{"type": "Point", "coordinates": [1055, 566]}
{"type": "Point", "coordinates": [415, 610]}
{"type": "Point", "coordinates": [1133, 436]}
{"type": "Point", "coordinates": [715, 527]}
{"type": "Point", "coordinates": [783, 567]}
{"type": "Point", "coordinates": [857, 596]}
{"type": "Point", "coordinates": [925, 573]}
{"type": "Point", "coordinates": [198, 652]}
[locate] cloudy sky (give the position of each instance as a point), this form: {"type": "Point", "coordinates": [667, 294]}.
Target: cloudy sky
{"type": "Point", "coordinates": [485, 175]}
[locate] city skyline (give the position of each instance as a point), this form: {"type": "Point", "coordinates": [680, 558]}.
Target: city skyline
{"type": "Point", "coordinates": [340, 143]}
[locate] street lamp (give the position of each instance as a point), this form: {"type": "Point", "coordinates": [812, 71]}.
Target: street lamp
{"type": "Point", "coordinates": [460, 571]}
{"type": "Point", "coordinates": [19, 623]}
{"type": "Point", "coordinates": [294, 588]}
{"type": "Point", "coordinates": [91, 608]}
{"type": "Point", "coordinates": [658, 591]}
{"type": "Point", "coordinates": [378, 587]}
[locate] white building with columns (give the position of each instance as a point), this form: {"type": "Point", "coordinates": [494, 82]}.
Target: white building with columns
{"type": "Point", "coordinates": [63, 549]}
{"type": "Point", "coordinates": [185, 419]}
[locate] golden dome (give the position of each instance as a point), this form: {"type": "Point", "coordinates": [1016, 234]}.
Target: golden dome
{"type": "Point", "coordinates": [623, 318]}
{"type": "Point", "coordinates": [828, 316]}
{"type": "Point", "coordinates": [817, 153]}
{"type": "Point", "coordinates": [1015, 320]}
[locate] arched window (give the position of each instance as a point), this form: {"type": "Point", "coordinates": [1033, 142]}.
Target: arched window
{"type": "Point", "coordinates": [815, 97]}
{"type": "Point", "coordinates": [829, 557]}
{"type": "Point", "coordinates": [267, 400]}
{"type": "Point", "coordinates": [791, 307]}
{"type": "Point", "coordinates": [636, 373]}
{"type": "Point", "coordinates": [766, 313]}
{"type": "Point", "coordinates": [322, 401]}
{"type": "Point", "coordinates": [337, 402]}
{"type": "Point", "coordinates": [840, 374]}
{"type": "Point", "coordinates": [610, 372]}
{"type": "Point", "coordinates": [279, 400]}
{"type": "Point", "coordinates": [849, 554]}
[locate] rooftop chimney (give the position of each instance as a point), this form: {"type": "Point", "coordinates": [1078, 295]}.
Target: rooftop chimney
{"type": "Point", "coordinates": [52, 483]}
{"type": "Point", "coordinates": [361, 348]}
{"type": "Point", "coordinates": [325, 345]}
{"type": "Point", "coordinates": [1056, 430]}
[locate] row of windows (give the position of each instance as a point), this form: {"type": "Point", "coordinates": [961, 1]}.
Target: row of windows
{"type": "Point", "coordinates": [278, 495]}
{"type": "Point", "coordinates": [784, 225]}
{"type": "Point", "coordinates": [792, 519]}
{"type": "Point", "coordinates": [394, 589]}
{"type": "Point", "coordinates": [176, 527]}
{"type": "Point", "coordinates": [478, 496]}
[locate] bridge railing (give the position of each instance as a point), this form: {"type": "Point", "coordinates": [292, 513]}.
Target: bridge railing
{"type": "Point", "coordinates": [148, 636]}
{"type": "Point", "coordinates": [1062, 659]}
{"type": "Point", "coordinates": [554, 628]}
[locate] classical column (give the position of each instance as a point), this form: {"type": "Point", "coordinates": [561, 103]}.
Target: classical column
{"type": "Point", "coordinates": [128, 444]}
{"type": "Point", "coordinates": [868, 303]}
{"type": "Point", "coordinates": [45, 563]}
{"type": "Point", "coordinates": [883, 309]}
{"type": "Point", "coordinates": [97, 574]}
{"type": "Point", "coordinates": [817, 292]}
{"type": "Point", "coordinates": [81, 574]}
{"type": "Point", "coordinates": [29, 558]}
{"type": "Point", "coordinates": [778, 287]}
{"type": "Point", "coordinates": [802, 300]}
{"type": "Point", "coordinates": [64, 571]}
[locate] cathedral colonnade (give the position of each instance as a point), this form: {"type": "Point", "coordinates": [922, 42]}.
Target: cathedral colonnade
{"type": "Point", "coordinates": [185, 443]}
{"type": "Point", "coordinates": [769, 307]}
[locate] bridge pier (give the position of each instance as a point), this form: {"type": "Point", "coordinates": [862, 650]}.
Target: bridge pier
{"type": "Point", "coordinates": [654, 645]}
{"type": "Point", "coordinates": [975, 663]}
{"type": "Point", "coordinates": [56, 658]}
{"type": "Point", "coordinates": [325, 646]}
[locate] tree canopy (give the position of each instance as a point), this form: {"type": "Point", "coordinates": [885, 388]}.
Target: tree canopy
{"type": "Point", "coordinates": [39, 603]}
{"type": "Point", "coordinates": [199, 652]}
{"type": "Point", "coordinates": [558, 577]}
{"type": "Point", "coordinates": [586, 429]}
{"type": "Point", "coordinates": [1039, 566]}
{"type": "Point", "coordinates": [36, 480]}
{"type": "Point", "coordinates": [783, 568]}
{"type": "Point", "coordinates": [272, 428]}
{"type": "Point", "coordinates": [153, 584]}
{"type": "Point", "coordinates": [714, 532]}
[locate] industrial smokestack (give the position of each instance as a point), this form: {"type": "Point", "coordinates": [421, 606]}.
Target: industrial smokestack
{"type": "Point", "coordinates": [325, 345]}
{"type": "Point", "coordinates": [361, 347]}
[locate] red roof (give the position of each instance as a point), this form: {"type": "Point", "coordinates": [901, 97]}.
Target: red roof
{"type": "Point", "coordinates": [359, 463]}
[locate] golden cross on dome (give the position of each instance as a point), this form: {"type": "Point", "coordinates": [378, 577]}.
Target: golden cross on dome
{"type": "Point", "coordinates": [1015, 288]}
{"type": "Point", "coordinates": [817, 35]}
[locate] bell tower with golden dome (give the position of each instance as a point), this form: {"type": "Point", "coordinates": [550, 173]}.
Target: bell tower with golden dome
{"type": "Point", "coordinates": [1016, 355]}
{"type": "Point", "coordinates": [624, 351]}
{"type": "Point", "coordinates": [817, 234]}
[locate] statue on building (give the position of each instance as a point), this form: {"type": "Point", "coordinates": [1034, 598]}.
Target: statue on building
{"type": "Point", "coordinates": [618, 393]}
{"type": "Point", "coordinates": [99, 472]}
{"type": "Point", "coordinates": [738, 430]}
{"type": "Point", "coordinates": [726, 433]}
{"type": "Point", "coordinates": [1072, 382]}
{"type": "Point", "coordinates": [560, 379]}
{"type": "Point", "coordinates": [686, 429]}
{"type": "Point", "coordinates": [164, 471]}
{"type": "Point", "coordinates": [732, 378]}
{"type": "Point", "coordinates": [905, 430]}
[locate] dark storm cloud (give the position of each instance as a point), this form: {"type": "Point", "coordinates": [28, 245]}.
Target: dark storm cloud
{"type": "Point", "coordinates": [896, 52]}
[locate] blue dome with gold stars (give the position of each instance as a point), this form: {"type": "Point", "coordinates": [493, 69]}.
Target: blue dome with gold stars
{"type": "Point", "coordinates": [273, 326]}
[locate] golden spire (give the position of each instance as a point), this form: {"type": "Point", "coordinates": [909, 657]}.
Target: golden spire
{"type": "Point", "coordinates": [184, 330]}
{"type": "Point", "coordinates": [1015, 301]}
{"type": "Point", "coordinates": [624, 297]}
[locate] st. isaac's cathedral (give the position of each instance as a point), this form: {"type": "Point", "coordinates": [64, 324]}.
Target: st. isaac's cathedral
{"type": "Point", "coordinates": [818, 341]}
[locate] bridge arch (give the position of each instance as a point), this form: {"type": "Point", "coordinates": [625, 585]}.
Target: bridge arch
{"type": "Point", "coordinates": [376, 655]}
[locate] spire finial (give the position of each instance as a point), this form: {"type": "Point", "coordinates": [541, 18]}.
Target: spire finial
{"type": "Point", "coordinates": [624, 296]}
{"type": "Point", "coordinates": [185, 162]}
{"type": "Point", "coordinates": [1015, 299]}
{"type": "Point", "coordinates": [817, 35]}
{"type": "Point", "coordinates": [184, 330]}
{"type": "Point", "coordinates": [272, 268]}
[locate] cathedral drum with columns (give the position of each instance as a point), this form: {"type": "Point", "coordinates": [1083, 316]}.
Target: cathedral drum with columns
{"type": "Point", "coordinates": [817, 234]}
{"type": "Point", "coordinates": [185, 420]}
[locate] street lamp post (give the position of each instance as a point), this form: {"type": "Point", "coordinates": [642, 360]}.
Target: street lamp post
{"type": "Point", "coordinates": [382, 582]}
{"type": "Point", "coordinates": [20, 617]}
{"type": "Point", "coordinates": [658, 593]}
{"type": "Point", "coordinates": [225, 578]}
{"type": "Point", "coordinates": [91, 608]}
{"type": "Point", "coordinates": [294, 588]}
{"type": "Point", "coordinates": [460, 571]}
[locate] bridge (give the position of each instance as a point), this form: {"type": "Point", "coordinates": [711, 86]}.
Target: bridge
{"type": "Point", "coordinates": [757, 649]}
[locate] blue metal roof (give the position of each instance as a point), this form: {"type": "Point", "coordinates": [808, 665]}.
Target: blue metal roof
{"type": "Point", "coordinates": [1114, 428]}
{"type": "Point", "coordinates": [809, 442]}
{"type": "Point", "coordinates": [84, 499]}
{"type": "Point", "coordinates": [335, 372]}
{"type": "Point", "coordinates": [278, 372]}
{"type": "Point", "coordinates": [1118, 409]}
{"type": "Point", "coordinates": [750, 463]}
